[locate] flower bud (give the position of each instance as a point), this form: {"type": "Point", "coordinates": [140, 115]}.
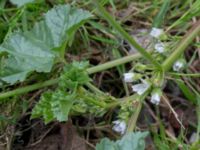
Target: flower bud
{"type": "Point", "coordinates": [156, 32]}
{"type": "Point", "coordinates": [159, 47]}
{"type": "Point", "coordinates": [179, 65]}
{"type": "Point", "coordinates": [155, 96]}
{"type": "Point", "coordinates": [119, 126]}
{"type": "Point", "coordinates": [141, 88]}
{"type": "Point", "coordinates": [129, 77]}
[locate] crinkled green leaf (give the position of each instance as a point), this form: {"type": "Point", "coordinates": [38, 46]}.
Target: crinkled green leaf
{"type": "Point", "coordinates": [34, 50]}
{"type": "Point", "coordinates": [131, 141]}
{"type": "Point", "coordinates": [43, 108]}
{"type": "Point", "coordinates": [24, 57]}
{"type": "Point", "coordinates": [57, 104]}
{"type": "Point", "coordinates": [61, 105]}
{"type": "Point", "coordinates": [53, 105]}
{"type": "Point", "coordinates": [74, 74]}
{"type": "Point", "coordinates": [21, 2]}
{"type": "Point", "coordinates": [28, 53]}
{"type": "Point", "coordinates": [107, 144]}
{"type": "Point", "coordinates": [42, 34]}
{"type": "Point", "coordinates": [64, 19]}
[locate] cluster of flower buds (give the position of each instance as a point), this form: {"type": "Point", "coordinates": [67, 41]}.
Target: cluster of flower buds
{"type": "Point", "coordinates": [142, 87]}
{"type": "Point", "coordinates": [160, 47]}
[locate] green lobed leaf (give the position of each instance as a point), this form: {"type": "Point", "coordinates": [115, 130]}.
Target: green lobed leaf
{"type": "Point", "coordinates": [24, 57]}
{"type": "Point", "coordinates": [57, 105]}
{"type": "Point", "coordinates": [61, 104]}
{"type": "Point", "coordinates": [43, 108]}
{"type": "Point", "coordinates": [53, 105]}
{"type": "Point", "coordinates": [106, 144]}
{"type": "Point", "coordinates": [20, 3]}
{"type": "Point", "coordinates": [130, 141]}
{"type": "Point", "coordinates": [34, 50]}
{"type": "Point", "coordinates": [59, 23]}
{"type": "Point", "coordinates": [74, 74]}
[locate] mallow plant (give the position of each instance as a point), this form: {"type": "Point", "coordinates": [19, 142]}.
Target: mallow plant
{"type": "Point", "coordinates": [39, 49]}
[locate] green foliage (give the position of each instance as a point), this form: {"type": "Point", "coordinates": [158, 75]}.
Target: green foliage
{"type": "Point", "coordinates": [53, 105]}
{"type": "Point", "coordinates": [70, 96]}
{"type": "Point", "coordinates": [131, 141]}
{"type": "Point", "coordinates": [3, 31]}
{"type": "Point", "coordinates": [36, 50]}
{"type": "Point", "coordinates": [20, 3]}
{"type": "Point", "coordinates": [193, 11]}
{"type": "Point", "coordinates": [158, 21]}
{"type": "Point", "coordinates": [57, 104]}
{"type": "Point", "coordinates": [74, 75]}
{"type": "Point", "coordinates": [186, 91]}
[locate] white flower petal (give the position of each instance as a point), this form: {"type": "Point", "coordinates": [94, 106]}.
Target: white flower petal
{"type": "Point", "coordinates": [156, 32]}
{"type": "Point", "coordinates": [193, 138]}
{"type": "Point", "coordinates": [140, 88]}
{"type": "Point", "coordinates": [119, 126]}
{"type": "Point", "coordinates": [178, 65]}
{"type": "Point", "coordinates": [159, 47]}
{"type": "Point", "coordinates": [155, 98]}
{"type": "Point", "coordinates": [128, 77]}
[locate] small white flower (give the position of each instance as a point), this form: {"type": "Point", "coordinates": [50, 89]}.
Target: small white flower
{"type": "Point", "coordinates": [178, 65]}
{"type": "Point", "coordinates": [159, 47]}
{"type": "Point", "coordinates": [156, 32]}
{"type": "Point", "coordinates": [119, 126]}
{"type": "Point", "coordinates": [141, 88]}
{"type": "Point", "coordinates": [156, 95]}
{"type": "Point", "coordinates": [155, 98]}
{"type": "Point", "coordinates": [128, 77]}
{"type": "Point", "coordinates": [193, 138]}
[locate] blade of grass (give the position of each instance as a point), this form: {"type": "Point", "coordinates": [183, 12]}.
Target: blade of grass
{"type": "Point", "coordinates": [186, 91]}
{"type": "Point", "coordinates": [189, 14]}
{"type": "Point", "coordinates": [158, 21]}
{"type": "Point", "coordinates": [198, 115]}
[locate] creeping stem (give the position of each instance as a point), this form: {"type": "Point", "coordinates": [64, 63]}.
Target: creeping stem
{"type": "Point", "coordinates": [91, 70]}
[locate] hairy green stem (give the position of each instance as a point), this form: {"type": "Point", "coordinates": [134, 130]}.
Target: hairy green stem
{"type": "Point", "coordinates": [133, 120]}
{"type": "Point", "coordinates": [95, 102]}
{"type": "Point", "coordinates": [121, 100]}
{"type": "Point", "coordinates": [113, 63]}
{"type": "Point", "coordinates": [91, 70]}
{"type": "Point", "coordinates": [28, 88]}
{"type": "Point", "coordinates": [127, 37]}
{"type": "Point", "coordinates": [93, 88]}
{"type": "Point", "coordinates": [185, 74]}
{"type": "Point", "coordinates": [178, 51]}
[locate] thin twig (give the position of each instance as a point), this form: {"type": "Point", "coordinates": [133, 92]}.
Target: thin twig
{"type": "Point", "coordinates": [173, 111]}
